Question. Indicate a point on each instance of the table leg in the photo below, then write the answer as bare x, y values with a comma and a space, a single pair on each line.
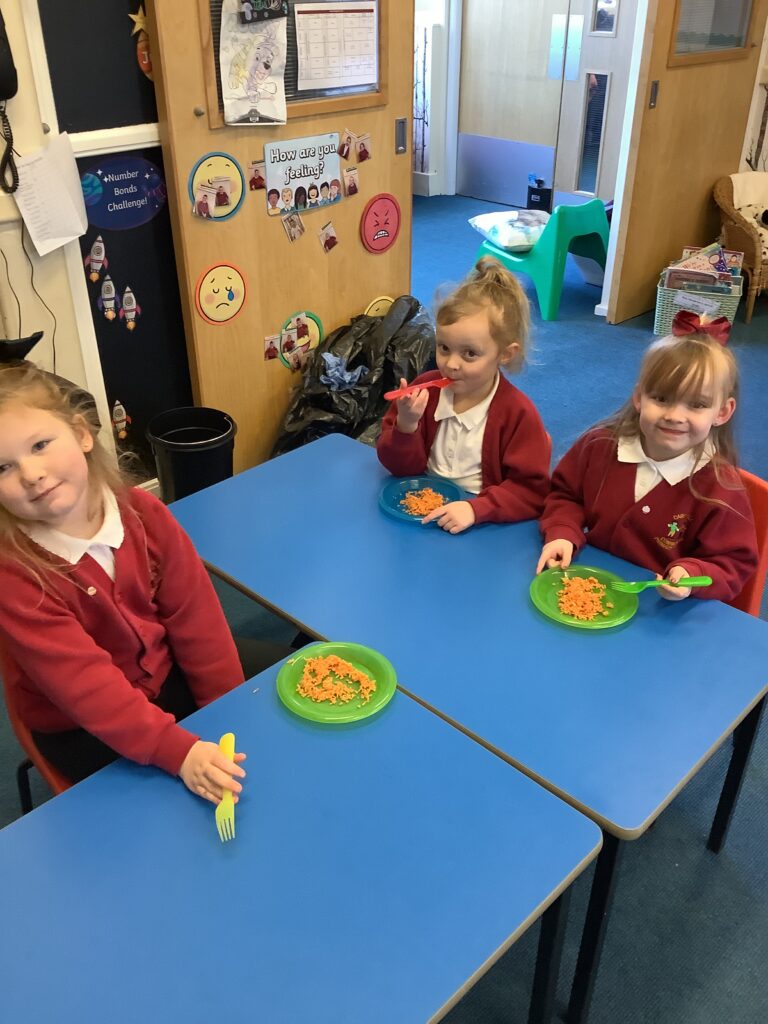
593, 935
550, 951
743, 739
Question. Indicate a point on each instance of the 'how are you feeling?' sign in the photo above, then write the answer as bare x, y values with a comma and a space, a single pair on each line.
302, 174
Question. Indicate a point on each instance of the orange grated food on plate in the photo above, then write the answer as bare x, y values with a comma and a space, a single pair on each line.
582, 598
420, 503
331, 678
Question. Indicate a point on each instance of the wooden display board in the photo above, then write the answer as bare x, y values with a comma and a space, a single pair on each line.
227, 361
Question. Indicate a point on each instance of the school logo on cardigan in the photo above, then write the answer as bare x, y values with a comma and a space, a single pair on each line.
676, 528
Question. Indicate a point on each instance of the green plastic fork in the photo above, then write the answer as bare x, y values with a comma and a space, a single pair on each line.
225, 811
686, 581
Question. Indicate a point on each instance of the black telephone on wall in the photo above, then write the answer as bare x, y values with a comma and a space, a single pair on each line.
9, 84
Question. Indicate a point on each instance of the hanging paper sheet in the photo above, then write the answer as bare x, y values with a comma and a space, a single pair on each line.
252, 65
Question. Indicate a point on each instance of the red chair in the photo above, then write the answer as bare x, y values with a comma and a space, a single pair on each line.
749, 601
55, 779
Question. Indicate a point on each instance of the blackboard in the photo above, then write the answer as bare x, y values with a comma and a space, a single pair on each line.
146, 368
95, 75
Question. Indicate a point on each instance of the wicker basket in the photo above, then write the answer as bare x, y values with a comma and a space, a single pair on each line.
666, 307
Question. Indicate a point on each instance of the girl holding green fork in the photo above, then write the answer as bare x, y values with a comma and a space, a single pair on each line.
657, 482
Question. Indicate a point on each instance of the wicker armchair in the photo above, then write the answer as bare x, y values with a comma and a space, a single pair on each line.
741, 234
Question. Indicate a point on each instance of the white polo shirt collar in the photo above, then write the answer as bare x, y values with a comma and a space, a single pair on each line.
71, 549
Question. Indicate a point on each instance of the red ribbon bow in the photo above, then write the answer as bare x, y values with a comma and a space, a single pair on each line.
686, 322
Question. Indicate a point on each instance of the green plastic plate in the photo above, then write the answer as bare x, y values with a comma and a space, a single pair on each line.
363, 658
546, 586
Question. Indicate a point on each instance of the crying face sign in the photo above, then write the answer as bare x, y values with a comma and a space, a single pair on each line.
380, 223
220, 293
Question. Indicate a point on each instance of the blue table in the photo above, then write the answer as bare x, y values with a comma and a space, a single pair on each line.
305, 535
378, 870
615, 723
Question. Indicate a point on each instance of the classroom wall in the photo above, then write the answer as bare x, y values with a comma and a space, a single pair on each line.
50, 276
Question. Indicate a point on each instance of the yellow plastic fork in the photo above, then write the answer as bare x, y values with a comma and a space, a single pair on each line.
225, 811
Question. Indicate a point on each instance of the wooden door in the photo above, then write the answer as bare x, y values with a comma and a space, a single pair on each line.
598, 55
512, 55
684, 138
227, 361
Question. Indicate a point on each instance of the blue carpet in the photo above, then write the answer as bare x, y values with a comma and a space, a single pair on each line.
688, 937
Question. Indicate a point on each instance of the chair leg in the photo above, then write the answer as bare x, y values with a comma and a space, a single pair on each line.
550, 290
751, 296
22, 783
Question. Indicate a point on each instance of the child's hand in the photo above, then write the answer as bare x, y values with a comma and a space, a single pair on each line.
555, 555
207, 772
411, 408
677, 572
453, 517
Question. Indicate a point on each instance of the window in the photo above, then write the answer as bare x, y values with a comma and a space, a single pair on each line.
710, 30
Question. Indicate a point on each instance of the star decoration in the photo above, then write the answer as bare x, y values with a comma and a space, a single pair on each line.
139, 20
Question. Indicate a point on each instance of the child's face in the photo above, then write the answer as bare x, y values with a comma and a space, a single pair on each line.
467, 354
671, 425
43, 469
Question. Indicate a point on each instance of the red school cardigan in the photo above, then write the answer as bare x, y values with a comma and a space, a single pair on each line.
514, 460
592, 491
92, 653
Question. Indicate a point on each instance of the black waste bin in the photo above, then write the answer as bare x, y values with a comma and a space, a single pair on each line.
193, 449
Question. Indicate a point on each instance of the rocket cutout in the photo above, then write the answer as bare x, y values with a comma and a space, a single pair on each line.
131, 309
97, 259
120, 420
108, 302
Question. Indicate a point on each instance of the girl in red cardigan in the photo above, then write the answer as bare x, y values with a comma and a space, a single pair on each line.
657, 483
110, 629
481, 431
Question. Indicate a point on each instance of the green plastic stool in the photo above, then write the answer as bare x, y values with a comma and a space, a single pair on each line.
582, 230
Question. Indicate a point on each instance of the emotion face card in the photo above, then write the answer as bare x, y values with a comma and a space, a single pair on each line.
218, 177
220, 293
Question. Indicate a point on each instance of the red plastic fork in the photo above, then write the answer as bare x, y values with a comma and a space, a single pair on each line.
402, 392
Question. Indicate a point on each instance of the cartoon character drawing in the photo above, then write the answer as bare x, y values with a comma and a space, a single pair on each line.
131, 309
272, 199
313, 195
300, 199
97, 259
335, 191
324, 200
120, 420
286, 200
108, 301
251, 67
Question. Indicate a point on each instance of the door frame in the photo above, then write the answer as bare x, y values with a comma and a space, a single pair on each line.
644, 21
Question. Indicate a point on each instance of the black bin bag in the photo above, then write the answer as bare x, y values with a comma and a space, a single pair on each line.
400, 344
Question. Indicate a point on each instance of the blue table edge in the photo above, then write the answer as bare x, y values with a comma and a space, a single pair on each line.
532, 918
619, 831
